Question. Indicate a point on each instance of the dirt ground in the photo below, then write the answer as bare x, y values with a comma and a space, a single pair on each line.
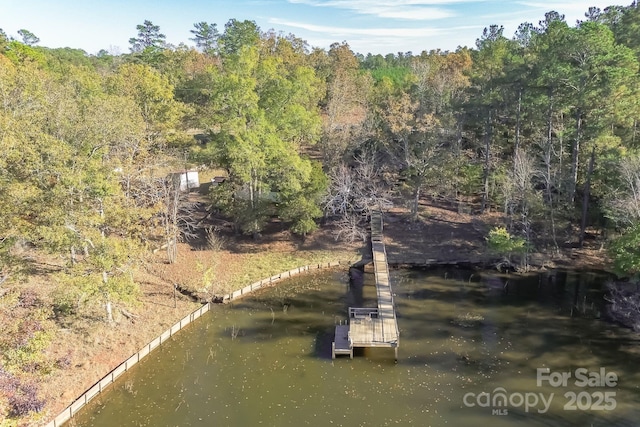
444, 236
94, 348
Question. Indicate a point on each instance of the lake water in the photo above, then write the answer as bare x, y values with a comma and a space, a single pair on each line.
470, 347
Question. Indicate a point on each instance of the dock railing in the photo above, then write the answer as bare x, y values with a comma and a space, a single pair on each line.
366, 312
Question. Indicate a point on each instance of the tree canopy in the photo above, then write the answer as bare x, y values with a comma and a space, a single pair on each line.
541, 126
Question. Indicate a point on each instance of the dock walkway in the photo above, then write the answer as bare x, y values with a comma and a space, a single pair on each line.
369, 326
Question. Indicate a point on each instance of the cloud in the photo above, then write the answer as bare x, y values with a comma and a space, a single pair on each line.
567, 6
382, 40
573, 10
345, 31
364, 4
416, 10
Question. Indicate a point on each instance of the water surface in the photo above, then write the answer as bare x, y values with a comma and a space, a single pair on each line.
266, 359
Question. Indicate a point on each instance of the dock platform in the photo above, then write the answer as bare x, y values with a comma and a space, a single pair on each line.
370, 326
342, 342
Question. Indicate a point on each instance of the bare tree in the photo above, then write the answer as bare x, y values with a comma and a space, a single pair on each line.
354, 192
350, 228
521, 198
623, 203
177, 215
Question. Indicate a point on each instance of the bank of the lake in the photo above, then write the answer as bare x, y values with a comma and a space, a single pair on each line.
441, 236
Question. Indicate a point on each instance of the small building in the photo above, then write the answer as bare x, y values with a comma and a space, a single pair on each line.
188, 179
217, 180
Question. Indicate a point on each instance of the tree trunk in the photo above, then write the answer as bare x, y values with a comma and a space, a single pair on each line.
518, 124
575, 154
585, 199
416, 202
172, 232
107, 304
458, 149
109, 311
547, 161
487, 157
172, 250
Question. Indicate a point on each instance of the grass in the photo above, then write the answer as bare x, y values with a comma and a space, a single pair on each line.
257, 266
211, 273
207, 175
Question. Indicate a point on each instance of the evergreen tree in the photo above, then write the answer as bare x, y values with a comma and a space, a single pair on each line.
206, 36
28, 37
237, 35
149, 37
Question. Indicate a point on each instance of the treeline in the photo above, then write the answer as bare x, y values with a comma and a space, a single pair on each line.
541, 125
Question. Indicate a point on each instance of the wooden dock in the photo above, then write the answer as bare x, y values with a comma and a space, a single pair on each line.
372, 326
342, 342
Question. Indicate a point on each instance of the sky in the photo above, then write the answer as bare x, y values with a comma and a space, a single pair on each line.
368, 26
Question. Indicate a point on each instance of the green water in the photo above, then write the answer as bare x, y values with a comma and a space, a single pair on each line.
266, 359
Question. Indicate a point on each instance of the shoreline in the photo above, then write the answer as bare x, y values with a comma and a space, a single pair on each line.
96, 348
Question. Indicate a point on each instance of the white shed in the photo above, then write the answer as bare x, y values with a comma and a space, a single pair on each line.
188, 180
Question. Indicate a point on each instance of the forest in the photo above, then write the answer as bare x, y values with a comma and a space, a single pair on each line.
541, 125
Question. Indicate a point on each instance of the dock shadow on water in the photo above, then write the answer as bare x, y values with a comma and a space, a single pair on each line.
470, 346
